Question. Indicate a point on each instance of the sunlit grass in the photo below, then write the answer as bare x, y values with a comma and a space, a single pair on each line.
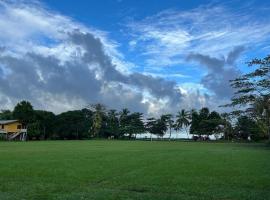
133, 170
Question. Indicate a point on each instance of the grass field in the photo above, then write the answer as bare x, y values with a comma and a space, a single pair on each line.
133, 170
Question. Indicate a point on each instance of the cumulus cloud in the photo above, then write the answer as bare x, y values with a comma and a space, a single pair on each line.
73, 67
220, 71
210, 38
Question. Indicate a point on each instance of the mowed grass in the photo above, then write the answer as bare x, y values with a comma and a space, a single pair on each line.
133, 170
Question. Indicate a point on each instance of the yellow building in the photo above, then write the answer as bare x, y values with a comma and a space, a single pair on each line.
13, 129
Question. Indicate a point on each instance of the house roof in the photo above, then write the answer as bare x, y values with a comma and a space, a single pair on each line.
7, 121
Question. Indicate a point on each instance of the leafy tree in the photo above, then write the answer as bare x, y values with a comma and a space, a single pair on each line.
6, 115
228, 129
24, 112
157, 126
150, 126
135, 125
131, 123
246, 127
205, 123
72, 125
124, 121
195, 122
113, 123
99, 111
34, 130
252, 88
46, 121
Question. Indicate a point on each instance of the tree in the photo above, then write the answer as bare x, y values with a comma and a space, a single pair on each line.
161, 125
157, 126
182, 120
113, 123
251, 88
98, 117
213, 123
150, 126
194, 124
205, 123
33, 130
72, 125
124, 121
6, 115
246, 127
228, 129
24, 112
46, 120
170, 123
136, 125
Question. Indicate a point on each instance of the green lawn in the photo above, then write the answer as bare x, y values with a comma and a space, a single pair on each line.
133, 170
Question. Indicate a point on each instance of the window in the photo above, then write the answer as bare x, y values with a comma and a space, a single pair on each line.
3, 126
19, 126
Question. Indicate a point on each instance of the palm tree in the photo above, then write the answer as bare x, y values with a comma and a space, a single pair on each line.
168, 119
182, 120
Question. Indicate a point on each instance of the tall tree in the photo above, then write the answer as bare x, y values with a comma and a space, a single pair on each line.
205, 123
168, 118
6, 115
24, 112
97, 120
182, 120
228, 129
43, 124
113, 123
124, 121
253, 87
136, 125
246, 127
71, 125
195, 122
150, 125
157, 126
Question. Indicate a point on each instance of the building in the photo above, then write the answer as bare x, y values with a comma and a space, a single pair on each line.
13, 130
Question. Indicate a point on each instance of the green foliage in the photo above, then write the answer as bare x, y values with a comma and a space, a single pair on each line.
72, 125
157, 126
253, 93
131, 124
205, 123
24, 112
112, 127
97, 119
34, 130
247, 127
6, 115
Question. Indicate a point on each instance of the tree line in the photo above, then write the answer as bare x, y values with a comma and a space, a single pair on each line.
98, 122
250, 118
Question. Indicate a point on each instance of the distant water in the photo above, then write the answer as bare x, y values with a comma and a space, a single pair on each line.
174, 135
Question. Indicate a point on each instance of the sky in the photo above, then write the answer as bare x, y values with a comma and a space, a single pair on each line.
154, 56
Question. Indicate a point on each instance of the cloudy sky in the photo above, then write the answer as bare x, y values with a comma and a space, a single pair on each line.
149, 56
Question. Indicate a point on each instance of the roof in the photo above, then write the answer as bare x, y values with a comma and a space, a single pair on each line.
8, 121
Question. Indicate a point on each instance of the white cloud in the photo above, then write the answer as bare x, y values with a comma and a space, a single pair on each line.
167, 37
60, 64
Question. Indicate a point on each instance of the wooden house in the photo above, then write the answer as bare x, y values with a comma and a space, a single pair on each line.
13, 129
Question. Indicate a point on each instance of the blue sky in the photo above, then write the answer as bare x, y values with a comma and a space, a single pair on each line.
150, 56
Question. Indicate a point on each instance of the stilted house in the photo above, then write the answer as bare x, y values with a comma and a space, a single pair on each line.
13, 130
